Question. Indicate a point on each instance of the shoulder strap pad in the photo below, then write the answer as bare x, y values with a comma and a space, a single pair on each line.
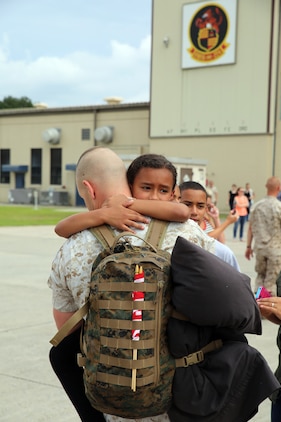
104, 234
156, 232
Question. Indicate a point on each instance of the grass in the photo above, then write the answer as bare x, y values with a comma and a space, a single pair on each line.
14, 215
19, 215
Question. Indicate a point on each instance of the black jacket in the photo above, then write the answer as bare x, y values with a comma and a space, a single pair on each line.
218, 303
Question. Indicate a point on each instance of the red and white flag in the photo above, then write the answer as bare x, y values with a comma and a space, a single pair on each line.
136, 316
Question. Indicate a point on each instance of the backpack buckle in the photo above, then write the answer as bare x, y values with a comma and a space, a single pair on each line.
193, 358
81, 360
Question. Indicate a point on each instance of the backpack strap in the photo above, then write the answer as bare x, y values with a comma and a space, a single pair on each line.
156, 232
198, 356
178, 315
69, 325
104, 234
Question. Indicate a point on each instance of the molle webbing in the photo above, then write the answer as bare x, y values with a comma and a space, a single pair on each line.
153, 239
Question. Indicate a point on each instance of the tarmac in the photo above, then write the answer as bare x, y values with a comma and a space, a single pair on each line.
29, 390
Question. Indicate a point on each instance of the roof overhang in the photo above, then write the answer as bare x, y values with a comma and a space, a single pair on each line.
71, 167
14, 168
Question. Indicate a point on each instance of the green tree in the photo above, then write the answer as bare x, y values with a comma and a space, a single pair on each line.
12, 102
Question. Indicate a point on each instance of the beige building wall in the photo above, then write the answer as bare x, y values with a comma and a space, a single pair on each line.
225, 114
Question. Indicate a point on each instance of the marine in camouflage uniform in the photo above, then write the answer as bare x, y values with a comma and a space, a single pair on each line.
71, 269
265, 229
72, 266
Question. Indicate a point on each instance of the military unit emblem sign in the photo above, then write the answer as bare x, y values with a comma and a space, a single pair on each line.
209, 31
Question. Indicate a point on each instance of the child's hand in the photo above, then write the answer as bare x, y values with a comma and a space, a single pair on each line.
123, 218
232, 217
118, 214
213, 211
117, 200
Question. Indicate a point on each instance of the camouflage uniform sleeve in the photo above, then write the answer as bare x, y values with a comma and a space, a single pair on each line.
71, 271
189, 231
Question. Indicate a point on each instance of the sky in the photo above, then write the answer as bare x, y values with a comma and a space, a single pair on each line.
75, 52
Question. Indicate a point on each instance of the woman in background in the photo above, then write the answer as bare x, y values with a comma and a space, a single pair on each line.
240, 204
231, 195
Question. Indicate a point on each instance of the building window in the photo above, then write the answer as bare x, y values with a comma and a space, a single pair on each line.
36, 166
86, 134
4, 159
55, 176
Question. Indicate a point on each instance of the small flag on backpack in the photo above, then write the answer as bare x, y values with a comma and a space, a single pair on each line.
136, 316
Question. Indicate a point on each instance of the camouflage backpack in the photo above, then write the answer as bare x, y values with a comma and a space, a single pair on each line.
128, 369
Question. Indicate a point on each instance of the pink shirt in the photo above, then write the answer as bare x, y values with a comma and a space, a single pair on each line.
241, 204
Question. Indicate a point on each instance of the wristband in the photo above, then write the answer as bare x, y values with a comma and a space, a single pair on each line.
248, 247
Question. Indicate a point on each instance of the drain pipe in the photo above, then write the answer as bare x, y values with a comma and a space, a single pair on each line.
276, 90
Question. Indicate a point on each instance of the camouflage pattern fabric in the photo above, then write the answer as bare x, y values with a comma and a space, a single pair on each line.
108, 343
265, 220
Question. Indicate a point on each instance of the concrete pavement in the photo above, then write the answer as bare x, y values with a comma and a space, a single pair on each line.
29, 390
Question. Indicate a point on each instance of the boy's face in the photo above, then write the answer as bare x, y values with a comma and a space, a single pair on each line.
153, 183
196, 201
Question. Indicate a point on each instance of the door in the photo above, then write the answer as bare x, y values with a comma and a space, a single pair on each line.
19, 180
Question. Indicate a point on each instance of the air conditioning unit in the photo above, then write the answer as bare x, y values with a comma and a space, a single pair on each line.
51, 197
52, 135
21, 196
104, 134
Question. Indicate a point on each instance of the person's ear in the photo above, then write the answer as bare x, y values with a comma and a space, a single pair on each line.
89, 188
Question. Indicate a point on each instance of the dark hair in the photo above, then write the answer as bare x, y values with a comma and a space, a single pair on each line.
193, 186
153, 161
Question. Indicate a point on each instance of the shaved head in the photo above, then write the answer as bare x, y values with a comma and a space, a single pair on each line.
104, 170
273, 185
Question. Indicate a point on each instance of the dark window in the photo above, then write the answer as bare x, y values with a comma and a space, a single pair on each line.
86, 133
36, 166
55, 176
4, 159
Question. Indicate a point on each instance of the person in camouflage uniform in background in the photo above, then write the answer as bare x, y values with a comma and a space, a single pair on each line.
265, 230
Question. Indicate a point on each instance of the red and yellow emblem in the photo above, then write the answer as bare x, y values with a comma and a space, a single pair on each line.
207, 33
